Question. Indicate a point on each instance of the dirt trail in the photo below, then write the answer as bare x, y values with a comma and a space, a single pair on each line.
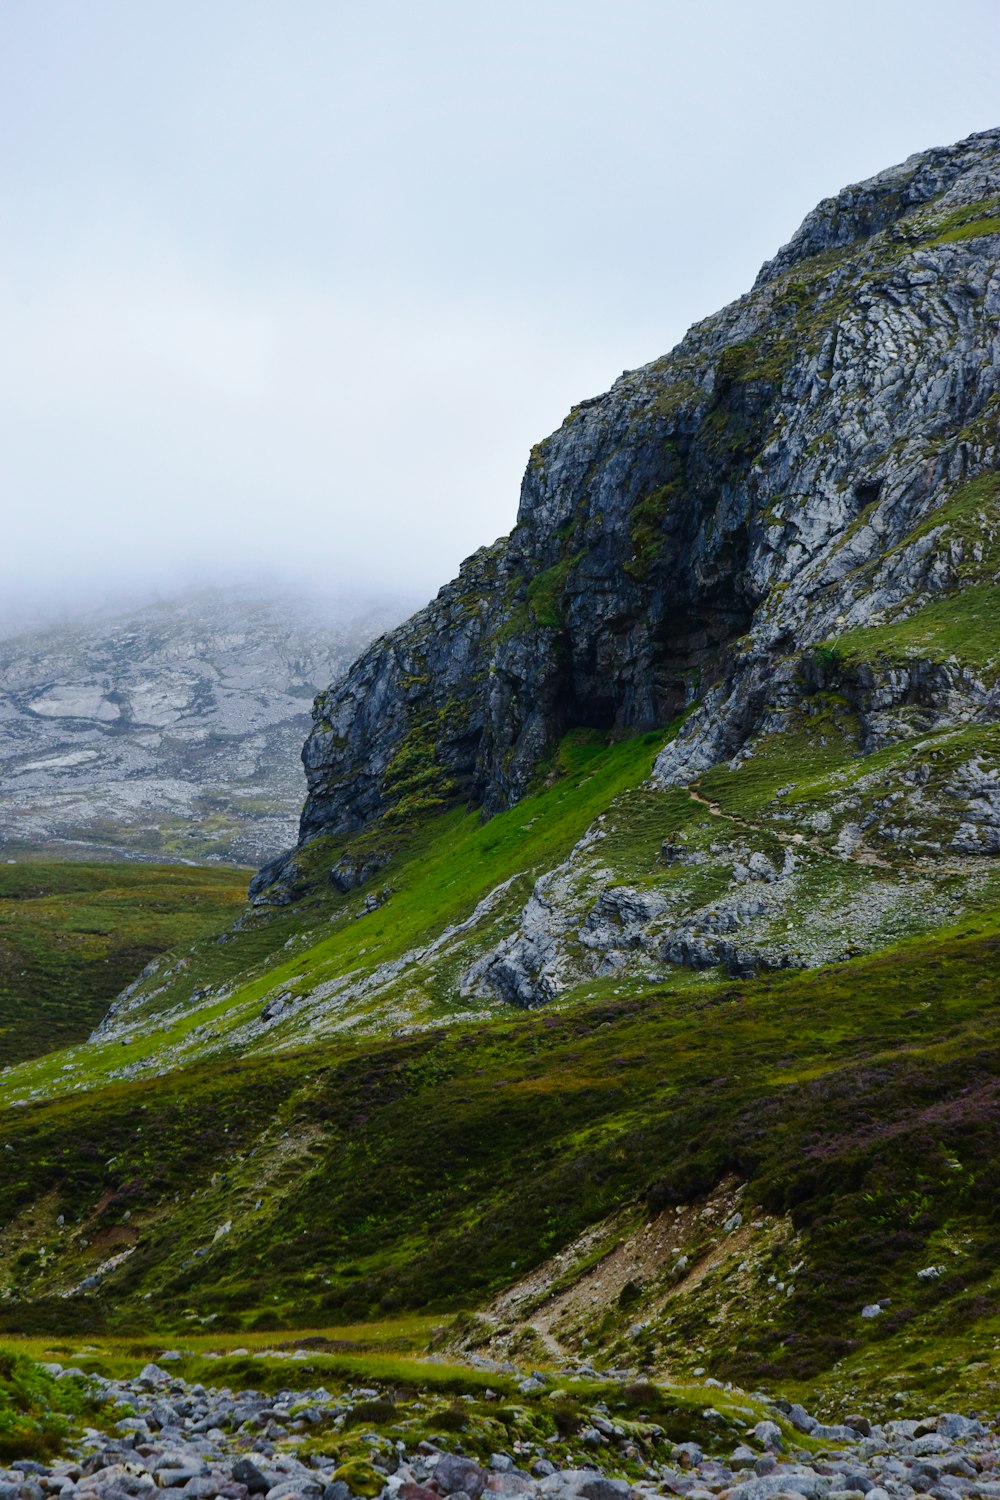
798, 840
857, 856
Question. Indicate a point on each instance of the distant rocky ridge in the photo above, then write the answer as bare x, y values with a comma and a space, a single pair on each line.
170, 731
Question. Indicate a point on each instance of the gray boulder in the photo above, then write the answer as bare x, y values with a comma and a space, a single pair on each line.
784, 1481
245, 1471
453, 1473
602, 1488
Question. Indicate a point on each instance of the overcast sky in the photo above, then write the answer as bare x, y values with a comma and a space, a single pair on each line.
295, 284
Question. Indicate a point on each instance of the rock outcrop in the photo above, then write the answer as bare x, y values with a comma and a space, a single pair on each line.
799, 467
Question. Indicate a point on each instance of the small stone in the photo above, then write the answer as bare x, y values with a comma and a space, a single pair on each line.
245, 1471
800, 1418
951, 1425
602, 1488
931, 1442
688, 1455
454, 1473
175, 1476
768, 1435
516, 1482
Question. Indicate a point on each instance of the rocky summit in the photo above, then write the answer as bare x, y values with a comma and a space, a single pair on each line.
818, 458
779, 544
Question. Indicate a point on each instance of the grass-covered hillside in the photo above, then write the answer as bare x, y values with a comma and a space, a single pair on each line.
73, 935
851, 1117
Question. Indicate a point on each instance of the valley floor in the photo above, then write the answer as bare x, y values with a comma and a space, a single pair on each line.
306, 1430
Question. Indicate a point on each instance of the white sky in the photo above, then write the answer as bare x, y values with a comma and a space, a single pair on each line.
295, 284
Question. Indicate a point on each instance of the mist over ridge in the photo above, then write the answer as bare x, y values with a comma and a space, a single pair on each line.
170, 730
299, 294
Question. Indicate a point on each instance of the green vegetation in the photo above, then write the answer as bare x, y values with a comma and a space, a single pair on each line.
73, 935
969, 515
390, 1174
546, 591
965, 223
353, 1177
829, 656
964, 625
440, 867
647, 521
35, 1408
415, 778
422, 1400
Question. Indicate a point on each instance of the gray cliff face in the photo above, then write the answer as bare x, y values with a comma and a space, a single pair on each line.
687, 537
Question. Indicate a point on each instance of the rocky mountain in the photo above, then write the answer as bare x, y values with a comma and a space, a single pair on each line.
633, 985
169, 731
782, 538
816, 459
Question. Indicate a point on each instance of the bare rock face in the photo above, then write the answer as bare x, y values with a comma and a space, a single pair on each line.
169, 731
690, 537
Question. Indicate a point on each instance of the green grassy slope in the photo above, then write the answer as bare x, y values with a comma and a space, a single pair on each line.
73, 935
860, 1104
440, 869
